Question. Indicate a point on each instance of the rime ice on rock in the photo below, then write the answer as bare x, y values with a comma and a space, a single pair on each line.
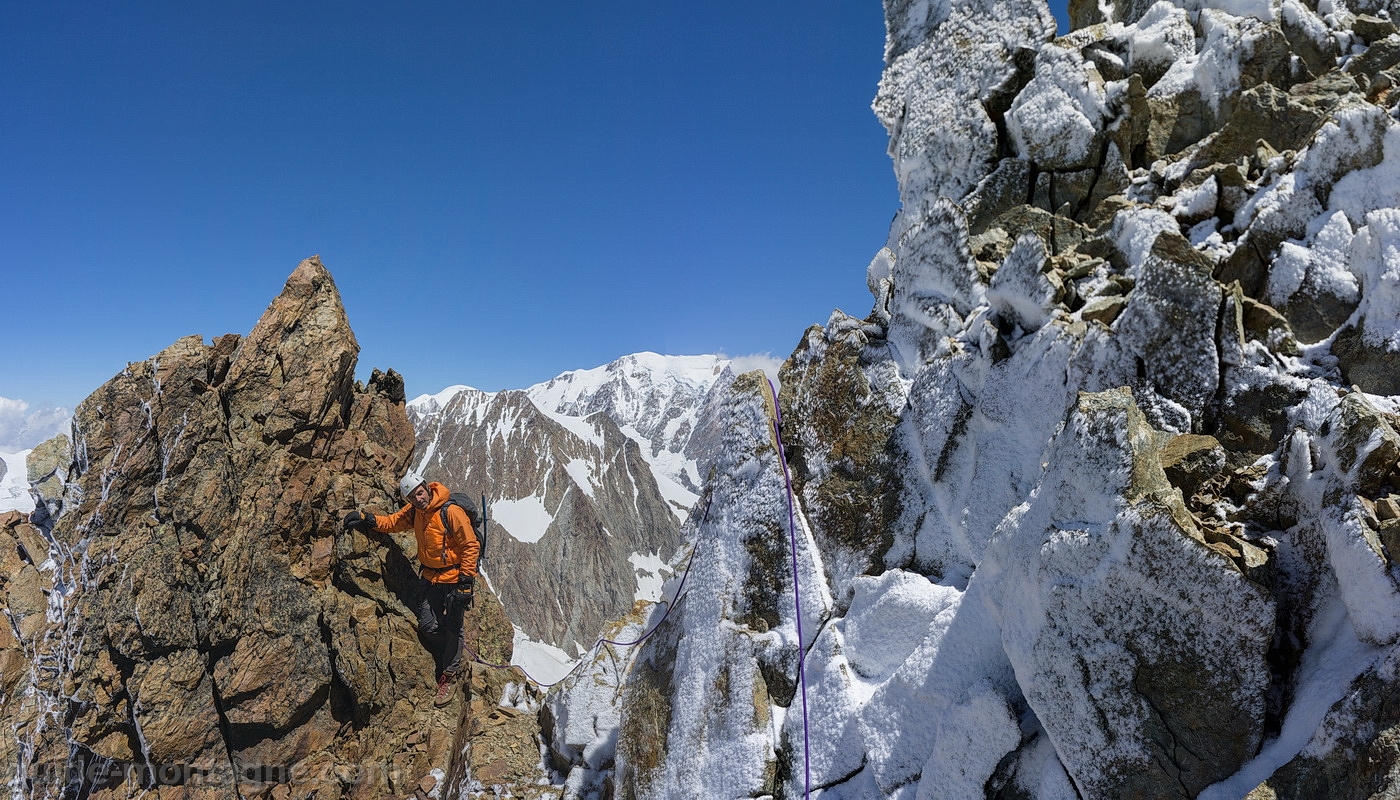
710, 681
1105, 488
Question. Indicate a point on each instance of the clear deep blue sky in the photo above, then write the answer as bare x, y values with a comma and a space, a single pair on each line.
503, 191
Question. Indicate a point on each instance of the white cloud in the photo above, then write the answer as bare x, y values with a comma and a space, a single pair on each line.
21, 428
763, 361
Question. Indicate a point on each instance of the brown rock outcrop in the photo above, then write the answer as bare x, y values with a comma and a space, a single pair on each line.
217, 630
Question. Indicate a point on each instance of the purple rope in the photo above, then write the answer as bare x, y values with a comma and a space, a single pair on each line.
796, 595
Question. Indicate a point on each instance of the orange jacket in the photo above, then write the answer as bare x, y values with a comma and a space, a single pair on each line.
443, 554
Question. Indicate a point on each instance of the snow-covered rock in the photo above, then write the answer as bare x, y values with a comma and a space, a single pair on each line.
1105, 490
1141, 650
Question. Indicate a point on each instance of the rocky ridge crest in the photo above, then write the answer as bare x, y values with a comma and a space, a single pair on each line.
187, 612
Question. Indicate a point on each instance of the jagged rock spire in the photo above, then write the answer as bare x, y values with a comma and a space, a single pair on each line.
209, 612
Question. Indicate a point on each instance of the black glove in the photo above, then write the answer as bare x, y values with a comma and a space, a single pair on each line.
358, 521
464, 595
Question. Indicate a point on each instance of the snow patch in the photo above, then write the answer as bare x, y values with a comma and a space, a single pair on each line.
526, 519
14, 486
652, 573
545, 663
581, 471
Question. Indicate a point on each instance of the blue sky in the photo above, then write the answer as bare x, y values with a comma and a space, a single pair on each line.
502, 191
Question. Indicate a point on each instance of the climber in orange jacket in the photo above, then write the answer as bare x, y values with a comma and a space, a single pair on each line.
448, 557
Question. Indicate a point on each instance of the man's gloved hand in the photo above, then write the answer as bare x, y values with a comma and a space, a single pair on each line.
465, 593
358, 521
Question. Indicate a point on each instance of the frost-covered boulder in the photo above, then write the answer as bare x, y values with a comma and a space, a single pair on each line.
950, 68
946, 64
935, 283
1167, 331
1370, 349
1141, 651
1023, 292
979, 442
1354, 753
1357, 455
1057, 120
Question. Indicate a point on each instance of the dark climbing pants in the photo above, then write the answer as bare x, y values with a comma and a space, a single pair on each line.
440, 625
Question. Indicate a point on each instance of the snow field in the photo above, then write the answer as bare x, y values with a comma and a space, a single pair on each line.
14, 486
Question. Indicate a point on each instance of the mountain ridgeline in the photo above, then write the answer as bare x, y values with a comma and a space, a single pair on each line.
1100, 500
188, 616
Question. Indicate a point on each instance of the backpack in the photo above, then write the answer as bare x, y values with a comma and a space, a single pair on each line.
473, 514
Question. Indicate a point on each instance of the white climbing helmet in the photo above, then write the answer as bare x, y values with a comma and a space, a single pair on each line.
410, 481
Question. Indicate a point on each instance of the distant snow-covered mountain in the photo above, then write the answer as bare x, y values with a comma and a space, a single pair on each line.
588, 477
660, 402
14, 483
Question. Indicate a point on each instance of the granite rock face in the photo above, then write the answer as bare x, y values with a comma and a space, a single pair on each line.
208, 624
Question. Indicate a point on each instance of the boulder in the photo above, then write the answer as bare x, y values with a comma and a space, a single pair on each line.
1169, 324
1356, 753
1365, 365
1372, 28
1367, 349
1141, 650
844, 461
1070, 138
1189, 460
1381, 55
47, 465
1024, 291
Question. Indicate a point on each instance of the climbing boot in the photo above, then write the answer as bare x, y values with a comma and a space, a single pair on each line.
444, 690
